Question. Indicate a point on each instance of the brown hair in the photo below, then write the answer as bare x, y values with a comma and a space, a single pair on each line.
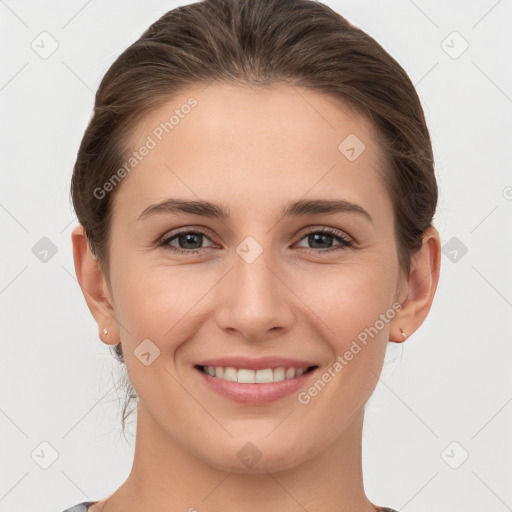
258, 42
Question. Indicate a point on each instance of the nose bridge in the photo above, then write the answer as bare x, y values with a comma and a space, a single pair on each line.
254, 299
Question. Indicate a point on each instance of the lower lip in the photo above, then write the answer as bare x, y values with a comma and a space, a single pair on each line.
255, 394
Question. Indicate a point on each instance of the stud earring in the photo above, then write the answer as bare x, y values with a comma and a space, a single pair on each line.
403, 332
105, 331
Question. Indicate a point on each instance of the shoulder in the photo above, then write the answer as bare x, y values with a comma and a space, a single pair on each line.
81, 507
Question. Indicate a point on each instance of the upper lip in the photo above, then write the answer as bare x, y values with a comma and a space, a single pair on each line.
256, 363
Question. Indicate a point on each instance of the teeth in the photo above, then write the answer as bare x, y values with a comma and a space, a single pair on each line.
261, 376
246, 376
229, 374
279, 374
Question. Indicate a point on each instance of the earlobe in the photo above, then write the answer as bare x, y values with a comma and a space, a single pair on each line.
94, 286
421, 284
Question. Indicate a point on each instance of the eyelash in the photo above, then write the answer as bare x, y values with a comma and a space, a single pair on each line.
345, 241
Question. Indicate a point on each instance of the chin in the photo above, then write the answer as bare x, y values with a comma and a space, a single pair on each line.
258, 457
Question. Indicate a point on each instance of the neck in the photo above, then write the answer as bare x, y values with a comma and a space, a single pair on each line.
165, 474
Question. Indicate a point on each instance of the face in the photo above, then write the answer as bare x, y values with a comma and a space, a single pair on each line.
269, 285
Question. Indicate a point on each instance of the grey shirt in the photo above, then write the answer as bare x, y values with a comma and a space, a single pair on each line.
82, 507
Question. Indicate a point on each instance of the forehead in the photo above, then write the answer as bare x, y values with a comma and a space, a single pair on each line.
280, 114
254, 144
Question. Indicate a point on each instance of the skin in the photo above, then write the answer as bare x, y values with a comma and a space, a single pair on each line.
252, 150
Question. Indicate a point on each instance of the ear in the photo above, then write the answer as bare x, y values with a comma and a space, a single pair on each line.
94, 286
418, 289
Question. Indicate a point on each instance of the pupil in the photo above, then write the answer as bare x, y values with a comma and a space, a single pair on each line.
314, 238
189, 238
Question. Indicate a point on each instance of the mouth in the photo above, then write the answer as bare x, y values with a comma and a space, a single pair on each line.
254, 387
249, 376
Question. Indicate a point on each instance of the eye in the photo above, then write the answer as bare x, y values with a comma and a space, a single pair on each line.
189, 241
322, 236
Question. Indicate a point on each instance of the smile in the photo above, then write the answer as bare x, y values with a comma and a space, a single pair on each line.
255, 387
248, 376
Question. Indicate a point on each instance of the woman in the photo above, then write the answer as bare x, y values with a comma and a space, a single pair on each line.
255, 192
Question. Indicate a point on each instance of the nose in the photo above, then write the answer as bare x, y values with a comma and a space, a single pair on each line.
256, 301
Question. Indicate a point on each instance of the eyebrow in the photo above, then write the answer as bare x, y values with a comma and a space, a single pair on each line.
292, 209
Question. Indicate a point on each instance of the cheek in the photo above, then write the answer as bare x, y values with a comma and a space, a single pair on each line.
161, 303
156, 309
349, 298
357, 336
354, 305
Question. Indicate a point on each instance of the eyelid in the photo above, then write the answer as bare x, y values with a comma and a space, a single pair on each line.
330, 231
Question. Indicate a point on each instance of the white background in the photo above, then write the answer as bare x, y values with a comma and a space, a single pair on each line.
452, 382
